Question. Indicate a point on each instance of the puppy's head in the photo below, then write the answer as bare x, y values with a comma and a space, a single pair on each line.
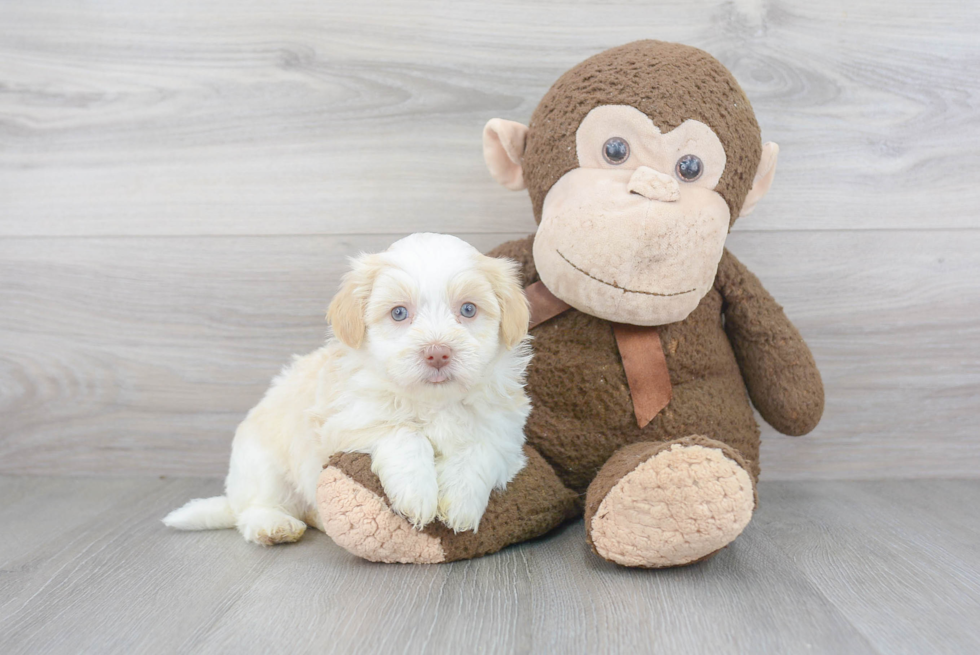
431, 310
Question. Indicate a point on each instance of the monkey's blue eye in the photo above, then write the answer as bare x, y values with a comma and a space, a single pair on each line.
616, 150
399, 313
689, 168
468, 310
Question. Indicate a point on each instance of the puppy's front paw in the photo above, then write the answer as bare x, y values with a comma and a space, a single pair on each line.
462, 501
462, 514
417, 500
405, 464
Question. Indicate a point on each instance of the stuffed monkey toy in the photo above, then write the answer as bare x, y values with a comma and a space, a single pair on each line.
650, 338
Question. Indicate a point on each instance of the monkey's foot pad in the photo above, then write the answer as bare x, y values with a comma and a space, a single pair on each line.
680, 504
359, 520
356, 514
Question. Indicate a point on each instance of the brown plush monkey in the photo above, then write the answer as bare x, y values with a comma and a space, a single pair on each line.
650, 338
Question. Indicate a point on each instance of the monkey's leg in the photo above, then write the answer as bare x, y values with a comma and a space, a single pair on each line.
660, 504
356, 514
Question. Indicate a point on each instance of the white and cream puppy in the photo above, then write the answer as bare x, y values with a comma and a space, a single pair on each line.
424, 371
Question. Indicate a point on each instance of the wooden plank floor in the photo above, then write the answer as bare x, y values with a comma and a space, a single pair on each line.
825, 567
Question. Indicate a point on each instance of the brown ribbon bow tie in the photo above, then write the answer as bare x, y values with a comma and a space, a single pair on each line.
639, 347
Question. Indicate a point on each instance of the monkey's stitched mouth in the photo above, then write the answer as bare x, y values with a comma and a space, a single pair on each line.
616, 286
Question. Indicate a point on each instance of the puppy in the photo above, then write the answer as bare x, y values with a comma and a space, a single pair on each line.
424, 371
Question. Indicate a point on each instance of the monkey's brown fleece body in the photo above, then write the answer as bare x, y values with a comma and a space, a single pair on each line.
582, 410
681, 487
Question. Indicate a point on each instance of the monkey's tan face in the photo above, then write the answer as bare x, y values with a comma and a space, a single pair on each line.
635, 234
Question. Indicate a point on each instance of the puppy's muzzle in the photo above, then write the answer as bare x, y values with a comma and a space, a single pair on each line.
437, 356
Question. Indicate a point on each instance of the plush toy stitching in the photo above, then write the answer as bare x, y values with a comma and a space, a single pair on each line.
616, 286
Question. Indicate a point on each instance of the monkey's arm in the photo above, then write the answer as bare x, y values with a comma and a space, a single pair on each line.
520, 250
782, 378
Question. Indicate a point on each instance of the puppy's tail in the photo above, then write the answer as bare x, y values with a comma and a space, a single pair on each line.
202, 514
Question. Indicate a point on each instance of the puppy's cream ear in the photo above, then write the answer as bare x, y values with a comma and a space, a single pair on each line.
346, 311
515, 313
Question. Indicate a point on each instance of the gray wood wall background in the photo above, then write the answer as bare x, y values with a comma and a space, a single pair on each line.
181, 183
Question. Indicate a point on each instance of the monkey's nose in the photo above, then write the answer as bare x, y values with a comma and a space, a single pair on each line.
653, 185
437, 356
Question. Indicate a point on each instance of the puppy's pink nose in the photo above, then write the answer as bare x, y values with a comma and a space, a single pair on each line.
437, 356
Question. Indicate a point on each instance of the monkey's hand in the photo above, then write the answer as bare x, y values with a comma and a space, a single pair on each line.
780, 374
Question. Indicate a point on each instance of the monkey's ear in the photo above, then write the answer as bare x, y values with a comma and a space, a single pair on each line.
763, 178
346, 311
503, 150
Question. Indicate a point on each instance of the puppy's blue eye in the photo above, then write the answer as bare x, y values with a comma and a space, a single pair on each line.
399, 313
468, 310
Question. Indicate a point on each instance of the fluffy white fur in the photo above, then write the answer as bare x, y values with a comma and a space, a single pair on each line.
440, 440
